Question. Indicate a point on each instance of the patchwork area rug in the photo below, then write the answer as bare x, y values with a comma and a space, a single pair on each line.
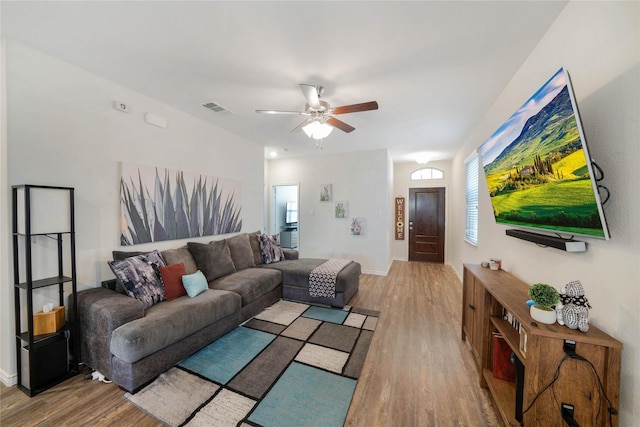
291, 365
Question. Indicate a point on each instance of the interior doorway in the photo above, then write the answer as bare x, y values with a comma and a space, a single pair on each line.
426, 224
284, 215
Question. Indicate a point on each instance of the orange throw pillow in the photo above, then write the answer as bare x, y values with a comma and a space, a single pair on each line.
172, 280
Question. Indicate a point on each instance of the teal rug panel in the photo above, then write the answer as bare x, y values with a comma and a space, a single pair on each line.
326, 314
224, 358
311, 397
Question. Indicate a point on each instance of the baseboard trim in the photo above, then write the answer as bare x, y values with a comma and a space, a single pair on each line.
8, 379
374, 272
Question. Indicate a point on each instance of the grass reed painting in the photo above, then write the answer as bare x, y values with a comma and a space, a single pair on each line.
162, 204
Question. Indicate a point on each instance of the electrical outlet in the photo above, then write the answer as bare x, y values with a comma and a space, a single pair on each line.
567, 412
569, 347
567, 409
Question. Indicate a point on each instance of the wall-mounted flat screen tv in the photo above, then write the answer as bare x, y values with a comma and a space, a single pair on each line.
538, 169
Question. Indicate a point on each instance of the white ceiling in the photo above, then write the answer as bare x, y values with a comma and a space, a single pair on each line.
434, 67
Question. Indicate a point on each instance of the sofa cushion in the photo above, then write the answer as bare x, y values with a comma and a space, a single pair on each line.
254, 241
241, 252
119, 255
296, 272
195, 283
171, 321
271, 250
213, 258
172, 280
250, 283
180, 255
140, 276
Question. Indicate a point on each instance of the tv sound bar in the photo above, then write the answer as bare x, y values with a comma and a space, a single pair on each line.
568, 245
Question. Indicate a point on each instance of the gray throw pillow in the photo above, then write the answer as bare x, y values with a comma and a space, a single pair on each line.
213, 259
241, 252
180, 255
271, 250
140, 276
120, 255
254, 241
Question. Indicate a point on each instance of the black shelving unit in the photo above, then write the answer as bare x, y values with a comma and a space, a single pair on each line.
42, 360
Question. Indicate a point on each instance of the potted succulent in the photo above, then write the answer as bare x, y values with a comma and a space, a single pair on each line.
544, 298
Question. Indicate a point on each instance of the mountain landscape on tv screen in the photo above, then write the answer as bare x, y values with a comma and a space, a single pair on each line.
541, 178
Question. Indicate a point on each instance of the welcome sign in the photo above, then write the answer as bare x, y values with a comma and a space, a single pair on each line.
400, 209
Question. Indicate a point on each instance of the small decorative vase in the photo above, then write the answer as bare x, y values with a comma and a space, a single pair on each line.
541, 315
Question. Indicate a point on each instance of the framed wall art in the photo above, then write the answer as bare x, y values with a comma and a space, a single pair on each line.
341, 208
357, 226
325, 192
164, 204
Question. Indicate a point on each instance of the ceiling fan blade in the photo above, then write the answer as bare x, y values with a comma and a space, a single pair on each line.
303, 113
300, 126
311, 94
354, 108
340, 125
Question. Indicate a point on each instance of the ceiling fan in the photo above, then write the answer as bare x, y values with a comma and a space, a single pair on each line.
321, 121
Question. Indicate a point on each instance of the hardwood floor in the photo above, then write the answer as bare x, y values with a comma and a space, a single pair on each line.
418, 371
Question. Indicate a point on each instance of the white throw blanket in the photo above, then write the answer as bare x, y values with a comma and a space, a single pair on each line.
322, 279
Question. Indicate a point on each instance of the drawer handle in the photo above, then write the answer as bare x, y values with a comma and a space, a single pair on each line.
472, 307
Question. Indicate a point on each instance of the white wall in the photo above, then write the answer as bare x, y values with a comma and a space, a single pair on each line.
359, 178
598, 43
6, 291
401, 184
62, 130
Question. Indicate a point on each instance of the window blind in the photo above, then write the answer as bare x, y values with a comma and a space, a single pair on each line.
471, 229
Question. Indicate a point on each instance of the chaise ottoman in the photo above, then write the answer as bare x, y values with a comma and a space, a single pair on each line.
295, 281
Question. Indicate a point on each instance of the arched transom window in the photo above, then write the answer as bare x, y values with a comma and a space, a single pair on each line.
427, 173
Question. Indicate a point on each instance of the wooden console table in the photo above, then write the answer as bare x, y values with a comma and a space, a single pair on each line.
589, 383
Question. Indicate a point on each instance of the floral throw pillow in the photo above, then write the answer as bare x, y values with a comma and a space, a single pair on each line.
270, 247
140, 276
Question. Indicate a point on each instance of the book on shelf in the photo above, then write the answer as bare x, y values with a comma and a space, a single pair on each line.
502, 366
523, 342
510, 319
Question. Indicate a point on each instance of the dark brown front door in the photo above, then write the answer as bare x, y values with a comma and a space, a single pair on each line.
426, 224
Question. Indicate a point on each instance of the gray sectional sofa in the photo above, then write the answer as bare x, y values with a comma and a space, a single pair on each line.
131, 342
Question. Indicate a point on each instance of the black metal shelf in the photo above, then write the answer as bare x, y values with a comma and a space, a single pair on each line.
43, 283
48, 359
47, 234
41, 340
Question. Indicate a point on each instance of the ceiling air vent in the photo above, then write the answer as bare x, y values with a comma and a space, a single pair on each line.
216, 108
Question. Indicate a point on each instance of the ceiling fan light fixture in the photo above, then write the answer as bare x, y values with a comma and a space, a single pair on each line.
423, 159
317, 129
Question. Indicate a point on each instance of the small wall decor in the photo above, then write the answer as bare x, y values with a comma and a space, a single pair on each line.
325, 192
400, 211
357, 226
341, 208
163, 204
